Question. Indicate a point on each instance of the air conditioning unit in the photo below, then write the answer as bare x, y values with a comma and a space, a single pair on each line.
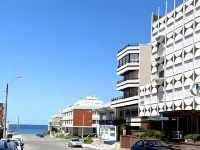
159, 59
160, 38
159, 81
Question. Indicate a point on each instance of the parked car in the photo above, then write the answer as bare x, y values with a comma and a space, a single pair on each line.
18, 143
74, 142
19, 137
6, 144
40, 135
151, 145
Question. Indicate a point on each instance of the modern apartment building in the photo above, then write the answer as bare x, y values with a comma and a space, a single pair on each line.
107, 128
82, 114
55, 122
175, 66
133, 60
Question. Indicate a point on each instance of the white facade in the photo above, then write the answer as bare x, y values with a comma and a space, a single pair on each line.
128, 68
90, 102
107, 132
55, 122
175, 61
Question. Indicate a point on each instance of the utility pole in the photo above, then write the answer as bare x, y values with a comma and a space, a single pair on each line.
5, 116
18, 126
83, 126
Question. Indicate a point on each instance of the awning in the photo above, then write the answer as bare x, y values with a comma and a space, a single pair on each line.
159, 119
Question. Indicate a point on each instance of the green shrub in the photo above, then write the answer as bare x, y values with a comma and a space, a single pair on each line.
193, 137
88, 141
150, 134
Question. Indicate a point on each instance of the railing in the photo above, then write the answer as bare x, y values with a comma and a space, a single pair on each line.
129, 61
127, 79
112, 122
136, 44
123, 97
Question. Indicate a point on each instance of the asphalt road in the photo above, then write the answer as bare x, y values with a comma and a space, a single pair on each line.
35, 143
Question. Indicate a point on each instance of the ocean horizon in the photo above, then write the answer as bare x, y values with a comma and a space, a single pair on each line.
29, 128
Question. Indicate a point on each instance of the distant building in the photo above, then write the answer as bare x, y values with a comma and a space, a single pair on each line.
55, 122
1, 114
82, 114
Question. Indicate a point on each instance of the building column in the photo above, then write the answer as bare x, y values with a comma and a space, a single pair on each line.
170, 128
193, 122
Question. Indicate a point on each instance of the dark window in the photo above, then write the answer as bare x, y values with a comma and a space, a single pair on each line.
139, 143
124, 60
121, 113
127, 113
161, 74
127, 59
127, 93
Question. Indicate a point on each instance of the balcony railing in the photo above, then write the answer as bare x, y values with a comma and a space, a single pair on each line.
129, 61
136, 44
129, 78
125, 96
112, 122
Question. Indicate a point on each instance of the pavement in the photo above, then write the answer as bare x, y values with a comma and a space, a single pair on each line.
33, 142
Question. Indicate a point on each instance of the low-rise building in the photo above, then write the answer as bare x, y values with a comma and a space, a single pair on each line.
107, 129
82, 117
55, 122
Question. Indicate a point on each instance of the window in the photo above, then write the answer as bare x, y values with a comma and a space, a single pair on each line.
161, 74
126, 93
121, 113
134, 57
139, 143
124, 60
93, 121
127, 113
127, 58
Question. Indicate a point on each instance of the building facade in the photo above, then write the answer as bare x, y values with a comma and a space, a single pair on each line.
133, 60
175, 66
55, 122
107, 128
82, 115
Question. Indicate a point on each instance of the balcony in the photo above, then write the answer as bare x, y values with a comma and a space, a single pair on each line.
112, 122
124, 100
160, 38
127, 83
128, 66
128, 45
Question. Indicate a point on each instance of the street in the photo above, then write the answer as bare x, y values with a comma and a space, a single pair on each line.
33, 142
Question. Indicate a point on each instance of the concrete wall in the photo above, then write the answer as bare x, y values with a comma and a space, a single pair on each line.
145, 64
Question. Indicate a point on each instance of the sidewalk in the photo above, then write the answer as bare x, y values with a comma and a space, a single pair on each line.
103, 147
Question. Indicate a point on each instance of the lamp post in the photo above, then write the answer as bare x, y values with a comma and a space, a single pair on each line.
83, 121
6, 103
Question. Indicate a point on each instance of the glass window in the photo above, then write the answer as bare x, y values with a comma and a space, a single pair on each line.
121, 113
127, 59
124, 60
139, 143
127, 113
134, 57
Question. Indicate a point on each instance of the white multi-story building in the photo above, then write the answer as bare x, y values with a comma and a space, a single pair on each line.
175, 66
55, 122
132, 59
82, 114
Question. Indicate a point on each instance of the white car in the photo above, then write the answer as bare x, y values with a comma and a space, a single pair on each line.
19, 146
74, 142
19, 137
15, 141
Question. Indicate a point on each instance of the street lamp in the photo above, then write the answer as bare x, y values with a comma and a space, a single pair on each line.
83, 121
6, 103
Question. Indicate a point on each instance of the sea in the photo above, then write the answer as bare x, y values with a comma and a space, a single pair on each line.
29, 129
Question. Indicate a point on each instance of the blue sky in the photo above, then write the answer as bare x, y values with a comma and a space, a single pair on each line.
65, 50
